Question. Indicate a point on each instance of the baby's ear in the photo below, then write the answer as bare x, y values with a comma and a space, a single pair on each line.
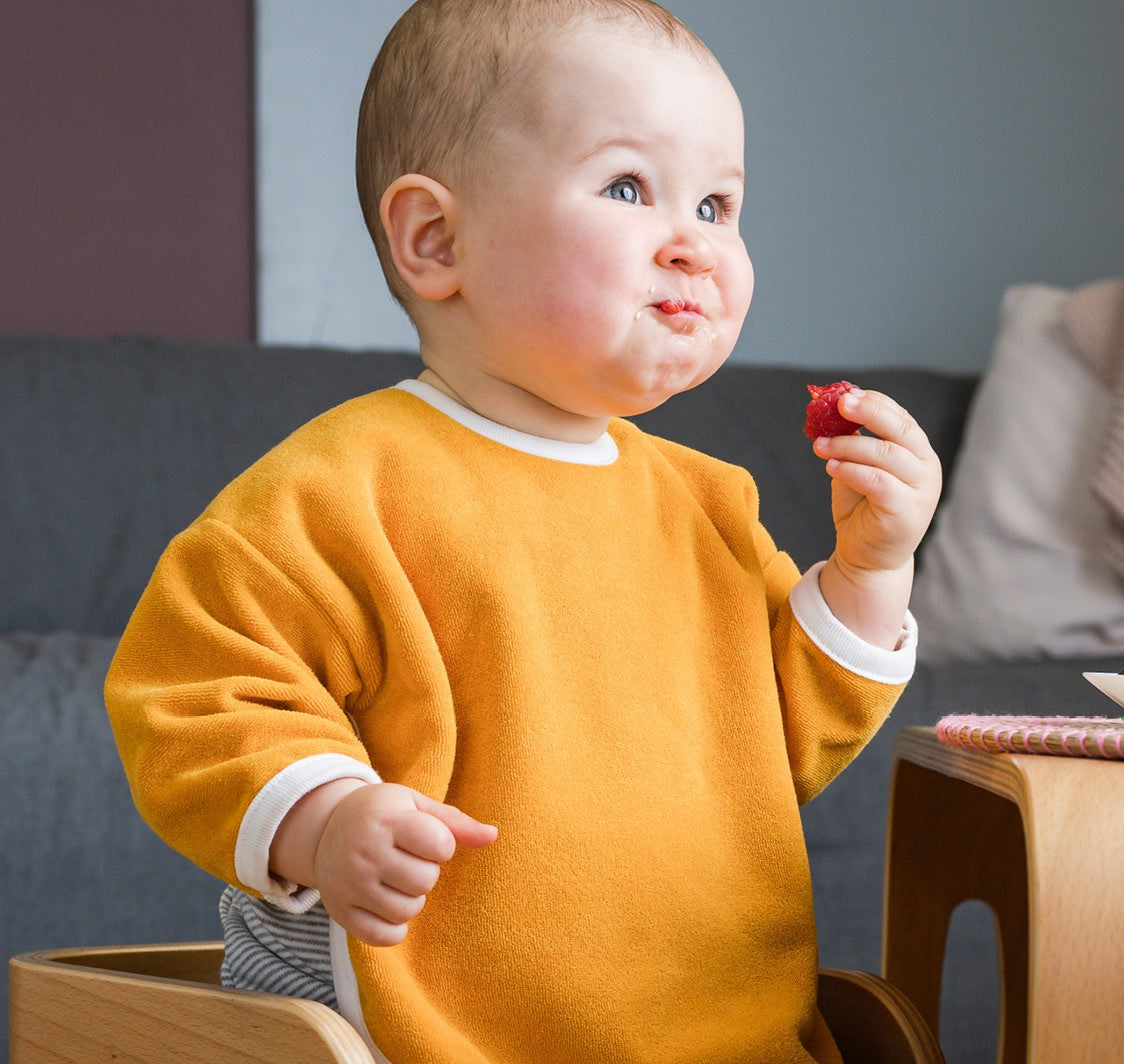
418, 214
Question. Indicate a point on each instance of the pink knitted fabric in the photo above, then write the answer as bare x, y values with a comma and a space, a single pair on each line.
1098, 737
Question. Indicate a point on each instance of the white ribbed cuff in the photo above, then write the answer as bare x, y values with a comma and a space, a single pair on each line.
840, 644
270, 806
347, 988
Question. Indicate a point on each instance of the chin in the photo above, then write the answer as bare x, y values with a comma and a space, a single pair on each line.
644, 387
641, 404
678, 378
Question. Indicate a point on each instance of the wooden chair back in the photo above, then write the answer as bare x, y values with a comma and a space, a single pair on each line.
165, 1002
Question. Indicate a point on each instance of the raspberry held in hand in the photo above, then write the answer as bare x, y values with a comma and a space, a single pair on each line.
823, 417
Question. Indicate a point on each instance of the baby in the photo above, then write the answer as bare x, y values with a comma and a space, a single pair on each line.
476, 658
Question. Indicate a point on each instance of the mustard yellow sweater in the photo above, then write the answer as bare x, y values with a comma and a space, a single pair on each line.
595, 649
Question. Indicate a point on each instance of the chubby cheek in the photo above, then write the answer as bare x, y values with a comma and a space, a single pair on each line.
737, 284
585, 286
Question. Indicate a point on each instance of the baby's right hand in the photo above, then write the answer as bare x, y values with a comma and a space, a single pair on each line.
380, 854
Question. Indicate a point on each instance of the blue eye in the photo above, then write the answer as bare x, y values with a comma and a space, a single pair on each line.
718, 208
624, 189
708, 210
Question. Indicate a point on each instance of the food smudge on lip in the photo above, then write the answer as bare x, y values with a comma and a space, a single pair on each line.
673, 306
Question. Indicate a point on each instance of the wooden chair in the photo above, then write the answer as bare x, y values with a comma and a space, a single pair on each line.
164, 1003
1037, 840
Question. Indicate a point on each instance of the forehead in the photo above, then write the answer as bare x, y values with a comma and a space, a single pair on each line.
606, 78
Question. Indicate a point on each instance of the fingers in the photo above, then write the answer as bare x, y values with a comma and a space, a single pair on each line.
368, 926
869, 463
897, 446
886, 419
382, 854
392, 906
466, 830
378, 908
408, 874
885, 484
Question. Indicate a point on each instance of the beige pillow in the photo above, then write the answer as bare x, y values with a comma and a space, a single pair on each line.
1011, 569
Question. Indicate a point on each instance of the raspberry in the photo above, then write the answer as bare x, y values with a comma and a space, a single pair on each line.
823, 417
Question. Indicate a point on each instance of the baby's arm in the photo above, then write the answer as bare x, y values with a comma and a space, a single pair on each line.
228, 696
885, 488
374, 851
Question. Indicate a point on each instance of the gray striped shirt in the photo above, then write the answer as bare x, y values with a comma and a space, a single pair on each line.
276, 952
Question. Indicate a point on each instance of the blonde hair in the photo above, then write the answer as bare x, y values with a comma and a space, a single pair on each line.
444, 76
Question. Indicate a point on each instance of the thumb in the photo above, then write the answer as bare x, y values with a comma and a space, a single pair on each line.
466, 830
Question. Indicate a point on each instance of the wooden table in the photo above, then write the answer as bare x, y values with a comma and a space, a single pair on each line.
1040, 840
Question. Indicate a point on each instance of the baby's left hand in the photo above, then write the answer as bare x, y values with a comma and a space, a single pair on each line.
885, 486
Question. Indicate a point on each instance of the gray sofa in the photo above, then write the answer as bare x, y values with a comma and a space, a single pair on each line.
109, 447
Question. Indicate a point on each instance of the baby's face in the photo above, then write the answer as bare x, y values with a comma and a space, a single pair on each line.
601, 263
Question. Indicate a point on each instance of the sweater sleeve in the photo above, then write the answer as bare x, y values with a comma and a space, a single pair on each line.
835, 689
229, 697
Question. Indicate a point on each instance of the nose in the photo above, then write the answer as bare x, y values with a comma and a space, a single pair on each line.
688, 249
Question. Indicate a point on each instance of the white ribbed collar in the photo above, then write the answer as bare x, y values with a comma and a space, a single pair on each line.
601, 452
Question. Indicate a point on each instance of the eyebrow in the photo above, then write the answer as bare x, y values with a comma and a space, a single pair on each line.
735, 172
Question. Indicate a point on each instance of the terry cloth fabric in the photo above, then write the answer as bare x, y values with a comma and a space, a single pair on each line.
1093, 317
607, 661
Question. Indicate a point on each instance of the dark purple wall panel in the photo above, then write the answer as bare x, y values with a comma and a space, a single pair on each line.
126, 167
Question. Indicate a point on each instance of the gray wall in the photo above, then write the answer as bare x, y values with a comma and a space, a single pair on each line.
906, 163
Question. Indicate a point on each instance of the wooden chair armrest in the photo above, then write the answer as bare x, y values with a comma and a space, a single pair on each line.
103, 1005
873, 1022
159, 1003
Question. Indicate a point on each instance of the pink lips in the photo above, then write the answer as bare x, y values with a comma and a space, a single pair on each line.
678, 306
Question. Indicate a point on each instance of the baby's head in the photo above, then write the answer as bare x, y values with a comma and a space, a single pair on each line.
451, 72
554, 188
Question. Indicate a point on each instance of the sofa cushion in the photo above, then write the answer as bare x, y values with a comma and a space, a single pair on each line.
109, 447
1013, 569
71, 841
